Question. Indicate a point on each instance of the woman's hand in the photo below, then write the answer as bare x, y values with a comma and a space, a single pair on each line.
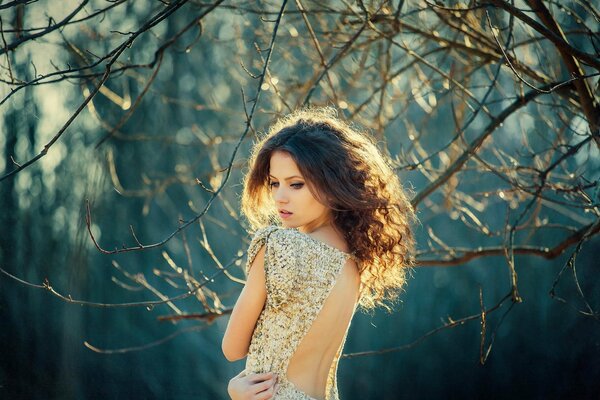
253, 386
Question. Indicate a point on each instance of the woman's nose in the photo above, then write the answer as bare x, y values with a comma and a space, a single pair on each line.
280, 195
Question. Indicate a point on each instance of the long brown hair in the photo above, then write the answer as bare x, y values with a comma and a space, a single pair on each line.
346, 172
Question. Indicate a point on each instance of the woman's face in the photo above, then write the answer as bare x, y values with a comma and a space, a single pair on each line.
296, 205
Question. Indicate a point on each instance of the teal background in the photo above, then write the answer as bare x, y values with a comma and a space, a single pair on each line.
187, 127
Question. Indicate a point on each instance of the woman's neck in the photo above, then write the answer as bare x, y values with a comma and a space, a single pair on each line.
317, 225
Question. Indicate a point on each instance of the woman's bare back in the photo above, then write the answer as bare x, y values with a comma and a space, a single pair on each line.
310, 365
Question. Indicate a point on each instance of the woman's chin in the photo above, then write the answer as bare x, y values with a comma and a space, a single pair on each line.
288, 224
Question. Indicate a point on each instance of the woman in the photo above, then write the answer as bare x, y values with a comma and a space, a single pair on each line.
333, 233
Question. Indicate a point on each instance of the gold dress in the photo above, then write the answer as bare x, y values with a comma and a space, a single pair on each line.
300, 272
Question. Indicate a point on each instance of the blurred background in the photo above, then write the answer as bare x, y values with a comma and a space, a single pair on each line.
125, 132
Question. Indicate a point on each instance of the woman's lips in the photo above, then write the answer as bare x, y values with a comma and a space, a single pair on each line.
285, 214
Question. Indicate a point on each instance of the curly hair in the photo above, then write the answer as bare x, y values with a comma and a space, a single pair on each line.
347, 173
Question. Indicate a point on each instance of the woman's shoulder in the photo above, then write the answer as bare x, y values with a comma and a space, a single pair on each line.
277, 237
265, 231
288, 239
275, 231
278, 241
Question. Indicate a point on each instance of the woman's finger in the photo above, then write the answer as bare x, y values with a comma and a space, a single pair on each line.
264, 385
267, 394
261, 377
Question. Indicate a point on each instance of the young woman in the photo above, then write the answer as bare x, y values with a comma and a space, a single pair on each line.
333, 232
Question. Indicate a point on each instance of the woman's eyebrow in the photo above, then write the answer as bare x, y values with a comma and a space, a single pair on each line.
288, 178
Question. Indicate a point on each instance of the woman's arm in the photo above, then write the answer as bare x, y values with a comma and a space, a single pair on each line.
246, 311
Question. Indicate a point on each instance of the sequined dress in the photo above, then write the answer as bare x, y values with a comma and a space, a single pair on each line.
300, 272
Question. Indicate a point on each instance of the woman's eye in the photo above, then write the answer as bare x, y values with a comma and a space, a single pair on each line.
294, 185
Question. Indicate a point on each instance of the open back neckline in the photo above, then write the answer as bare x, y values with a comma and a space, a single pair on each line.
322, 243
